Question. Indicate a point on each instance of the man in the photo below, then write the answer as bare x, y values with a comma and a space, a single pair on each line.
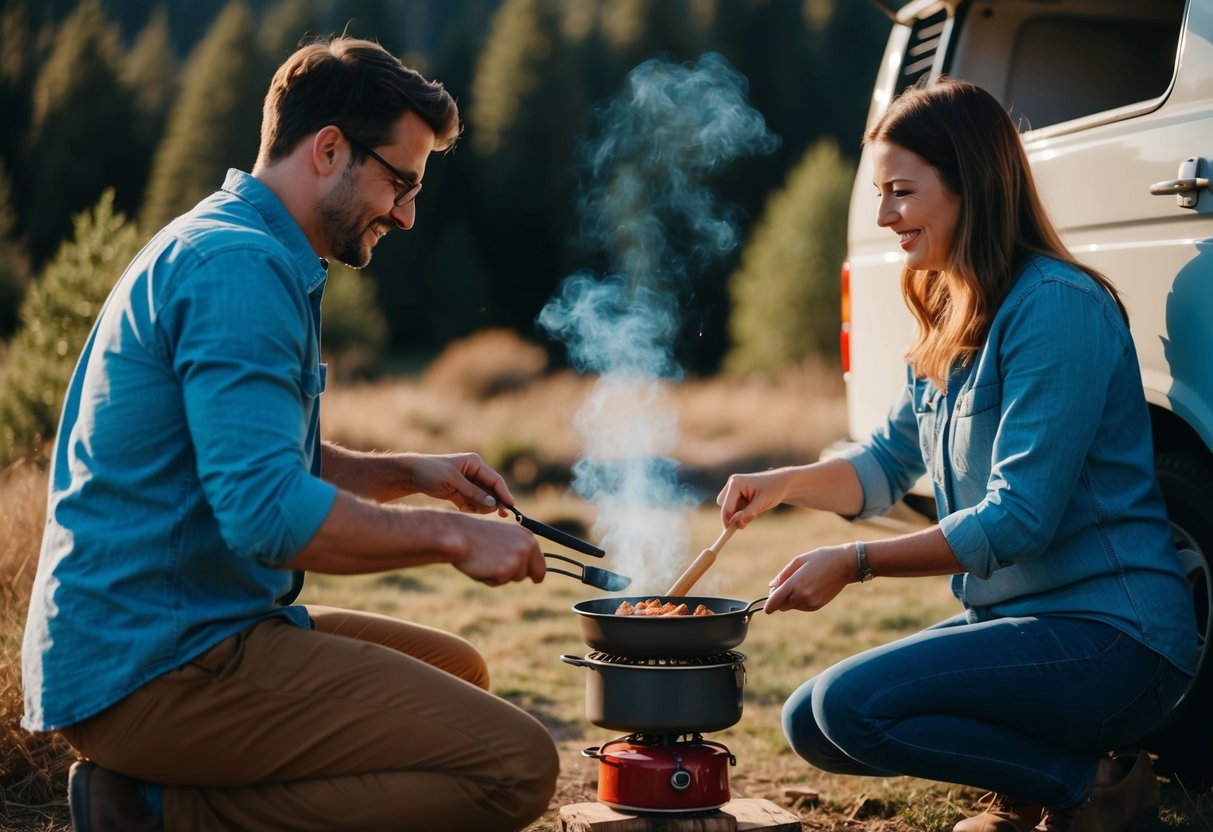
190, 489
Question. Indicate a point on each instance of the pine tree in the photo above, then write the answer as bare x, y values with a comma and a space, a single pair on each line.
56, 318
14, 262
353, 324
150, 70
84, 129
524, 122
786, 293
283, 26
17, 73
214, 123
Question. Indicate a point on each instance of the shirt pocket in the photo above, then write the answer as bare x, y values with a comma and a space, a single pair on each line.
313, 382
927, 399
975, 422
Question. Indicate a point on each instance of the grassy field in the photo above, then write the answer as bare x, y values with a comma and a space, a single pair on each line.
524, 428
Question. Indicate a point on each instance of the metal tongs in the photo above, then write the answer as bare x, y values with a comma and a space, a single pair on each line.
556, 535
592, 575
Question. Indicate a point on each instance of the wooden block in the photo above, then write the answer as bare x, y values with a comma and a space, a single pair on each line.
741, 815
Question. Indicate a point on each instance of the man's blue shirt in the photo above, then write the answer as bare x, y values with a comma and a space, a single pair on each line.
1041, 458
185, 471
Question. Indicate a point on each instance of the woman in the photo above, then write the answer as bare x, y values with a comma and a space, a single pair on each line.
1024, 404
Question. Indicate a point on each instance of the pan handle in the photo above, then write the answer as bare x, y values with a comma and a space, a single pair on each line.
575, 661
753, 607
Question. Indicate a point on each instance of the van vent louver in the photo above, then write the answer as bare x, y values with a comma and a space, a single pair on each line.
926, 38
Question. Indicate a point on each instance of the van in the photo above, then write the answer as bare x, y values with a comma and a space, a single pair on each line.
1114, 101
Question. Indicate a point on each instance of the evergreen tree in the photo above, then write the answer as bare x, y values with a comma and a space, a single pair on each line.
150, 70
283, 26
444, 292
353, 325
56, 318
14, 263
525, 121
17, 73
84, 129
785, 296
370, 19
214, 123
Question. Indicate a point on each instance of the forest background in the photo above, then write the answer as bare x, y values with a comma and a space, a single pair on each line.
132, 110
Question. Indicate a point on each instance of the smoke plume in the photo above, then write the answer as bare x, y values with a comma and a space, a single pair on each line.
647, 213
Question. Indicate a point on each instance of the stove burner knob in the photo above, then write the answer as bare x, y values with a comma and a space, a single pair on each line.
680, 779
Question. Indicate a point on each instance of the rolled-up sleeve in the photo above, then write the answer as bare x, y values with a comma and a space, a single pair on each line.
239, 330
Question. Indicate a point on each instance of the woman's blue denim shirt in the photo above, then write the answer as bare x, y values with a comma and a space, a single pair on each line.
185, 471
1041, 458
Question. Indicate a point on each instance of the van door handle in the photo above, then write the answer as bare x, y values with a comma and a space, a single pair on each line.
1187, 187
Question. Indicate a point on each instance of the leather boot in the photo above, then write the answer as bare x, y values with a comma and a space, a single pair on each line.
1130, 805
105, 801
1006, 814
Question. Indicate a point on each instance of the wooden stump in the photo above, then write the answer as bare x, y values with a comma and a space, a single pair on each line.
742, 815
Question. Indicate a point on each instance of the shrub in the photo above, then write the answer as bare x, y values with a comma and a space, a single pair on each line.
354, 329
54, 322
786, 293
486, 363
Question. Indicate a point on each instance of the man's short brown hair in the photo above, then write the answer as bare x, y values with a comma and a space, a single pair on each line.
356, 85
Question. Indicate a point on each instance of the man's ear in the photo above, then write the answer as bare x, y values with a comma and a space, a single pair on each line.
327, 150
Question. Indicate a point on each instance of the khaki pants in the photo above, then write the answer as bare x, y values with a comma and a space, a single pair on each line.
367, 723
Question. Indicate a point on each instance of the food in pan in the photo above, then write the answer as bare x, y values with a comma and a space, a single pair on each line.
655, 607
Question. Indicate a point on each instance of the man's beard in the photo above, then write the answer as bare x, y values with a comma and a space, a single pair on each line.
345, 223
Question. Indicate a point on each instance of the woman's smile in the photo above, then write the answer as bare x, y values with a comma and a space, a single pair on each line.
916, 205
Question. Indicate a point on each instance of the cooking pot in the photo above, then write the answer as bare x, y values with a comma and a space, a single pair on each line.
662, 696
665, 636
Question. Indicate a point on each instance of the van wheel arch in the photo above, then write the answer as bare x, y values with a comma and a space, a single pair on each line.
1184, 742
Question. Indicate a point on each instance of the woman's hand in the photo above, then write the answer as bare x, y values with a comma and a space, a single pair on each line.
812, 580
745, 496
465, 480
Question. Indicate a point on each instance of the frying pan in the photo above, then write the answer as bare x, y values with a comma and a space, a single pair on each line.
673, 636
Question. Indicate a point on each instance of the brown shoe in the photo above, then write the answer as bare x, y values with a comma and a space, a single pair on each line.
1006, 814
104, 801
1130, 805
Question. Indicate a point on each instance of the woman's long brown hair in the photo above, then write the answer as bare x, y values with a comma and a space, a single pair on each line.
963, 132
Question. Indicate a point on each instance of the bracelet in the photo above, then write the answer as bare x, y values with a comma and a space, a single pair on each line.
861, 561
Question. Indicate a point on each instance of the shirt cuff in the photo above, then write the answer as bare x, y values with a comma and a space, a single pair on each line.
877, 493
301, 518
969, 542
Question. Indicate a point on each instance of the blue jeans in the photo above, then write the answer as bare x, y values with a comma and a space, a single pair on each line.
1021, 706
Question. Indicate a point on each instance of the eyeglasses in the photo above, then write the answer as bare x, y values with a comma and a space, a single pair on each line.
404, 195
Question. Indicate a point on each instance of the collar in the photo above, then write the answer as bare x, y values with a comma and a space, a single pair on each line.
280, 223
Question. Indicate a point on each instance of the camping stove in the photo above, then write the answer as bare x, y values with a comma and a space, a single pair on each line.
667, 773
663, 764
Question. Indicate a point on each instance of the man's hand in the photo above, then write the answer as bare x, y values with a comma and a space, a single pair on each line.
465, 480
499, 553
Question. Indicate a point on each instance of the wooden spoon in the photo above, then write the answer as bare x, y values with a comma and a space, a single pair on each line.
695, 571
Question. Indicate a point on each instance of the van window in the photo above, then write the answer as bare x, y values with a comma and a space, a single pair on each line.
1064, 68
1053, 61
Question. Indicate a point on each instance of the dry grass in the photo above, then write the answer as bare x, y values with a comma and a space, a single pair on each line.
33, 769
727, 424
